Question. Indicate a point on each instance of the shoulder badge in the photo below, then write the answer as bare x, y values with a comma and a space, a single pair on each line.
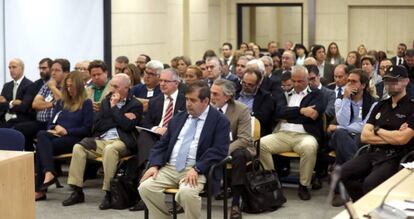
378, 116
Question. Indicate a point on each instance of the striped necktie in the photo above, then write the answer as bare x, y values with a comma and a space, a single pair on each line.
168, 113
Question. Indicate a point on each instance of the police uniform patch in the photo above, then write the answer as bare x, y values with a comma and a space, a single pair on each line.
378, 116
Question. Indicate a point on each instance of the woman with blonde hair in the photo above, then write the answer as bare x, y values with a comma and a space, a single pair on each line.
193, 74
71, 121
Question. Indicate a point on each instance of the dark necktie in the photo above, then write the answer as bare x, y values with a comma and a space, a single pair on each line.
339, 95
220, 110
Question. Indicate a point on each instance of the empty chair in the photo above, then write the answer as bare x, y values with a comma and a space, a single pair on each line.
11, 140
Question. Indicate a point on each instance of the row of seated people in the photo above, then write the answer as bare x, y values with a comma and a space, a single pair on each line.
299, 111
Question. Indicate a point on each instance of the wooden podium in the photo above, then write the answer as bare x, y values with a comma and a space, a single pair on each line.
373, 199
17, 198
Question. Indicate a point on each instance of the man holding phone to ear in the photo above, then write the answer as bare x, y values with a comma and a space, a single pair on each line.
351, 113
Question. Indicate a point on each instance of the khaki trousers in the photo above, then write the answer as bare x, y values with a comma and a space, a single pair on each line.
303, 144
110, 150
151, 192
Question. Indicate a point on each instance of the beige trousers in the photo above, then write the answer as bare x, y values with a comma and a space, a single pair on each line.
303, 144
151, 192
110, 150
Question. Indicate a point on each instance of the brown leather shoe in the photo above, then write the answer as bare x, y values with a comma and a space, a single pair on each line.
337, 201
235, 212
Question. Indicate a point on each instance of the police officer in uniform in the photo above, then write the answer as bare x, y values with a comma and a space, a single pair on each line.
389, 131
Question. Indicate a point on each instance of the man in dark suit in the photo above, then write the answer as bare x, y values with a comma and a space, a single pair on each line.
326, 70
194, 141
300, 131
15, 99
341, 73
328, 95
161, 109
399, 58
288, 60
260, 103
268, 83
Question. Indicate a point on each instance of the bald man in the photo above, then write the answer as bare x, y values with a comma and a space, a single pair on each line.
15, 99
114, 135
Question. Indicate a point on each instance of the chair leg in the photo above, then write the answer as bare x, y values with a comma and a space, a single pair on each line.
146, 213
174, 207
225, 193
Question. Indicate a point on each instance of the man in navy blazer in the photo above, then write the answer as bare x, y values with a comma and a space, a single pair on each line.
16, 107
209, 145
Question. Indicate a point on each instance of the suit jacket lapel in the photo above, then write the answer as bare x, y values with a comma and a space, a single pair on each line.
206, 128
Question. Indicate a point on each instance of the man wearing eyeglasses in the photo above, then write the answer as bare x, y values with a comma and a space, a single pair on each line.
151, 87
161, 110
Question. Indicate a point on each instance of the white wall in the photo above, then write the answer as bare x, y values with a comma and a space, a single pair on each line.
71, 29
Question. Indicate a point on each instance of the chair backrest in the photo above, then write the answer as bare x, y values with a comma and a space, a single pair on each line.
255, 128
11, 139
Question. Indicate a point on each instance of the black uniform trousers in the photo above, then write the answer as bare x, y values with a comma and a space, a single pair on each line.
365, 172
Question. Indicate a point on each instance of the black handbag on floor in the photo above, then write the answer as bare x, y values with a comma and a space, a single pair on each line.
263, 191
124, 185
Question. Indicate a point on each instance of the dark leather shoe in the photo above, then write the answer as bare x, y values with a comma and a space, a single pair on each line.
46, 185
235, 212
74, 198
220, 196
303, 193
106, 203
41, 198
316, 183
139, 206
179, 210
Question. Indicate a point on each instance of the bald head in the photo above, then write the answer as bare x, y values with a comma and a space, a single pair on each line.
16, 68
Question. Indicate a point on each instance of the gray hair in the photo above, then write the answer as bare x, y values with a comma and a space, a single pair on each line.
291, 53
256, 64
156, 65
125, 79
173, 72
215, 59
227, 86
268, 58
299, 68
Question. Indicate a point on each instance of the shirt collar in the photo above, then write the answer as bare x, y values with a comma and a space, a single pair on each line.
224, 108
320, 86
19, 80
99, 88
173, 95
203, 115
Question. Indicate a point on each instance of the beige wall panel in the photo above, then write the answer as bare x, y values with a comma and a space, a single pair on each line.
141, 6
198, 26
197, 50
132, 51
330, 6
400, 28
330, 27
214, 20
197, 6
129, 31
367, 32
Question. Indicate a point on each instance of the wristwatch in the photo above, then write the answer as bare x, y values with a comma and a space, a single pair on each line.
376, 128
